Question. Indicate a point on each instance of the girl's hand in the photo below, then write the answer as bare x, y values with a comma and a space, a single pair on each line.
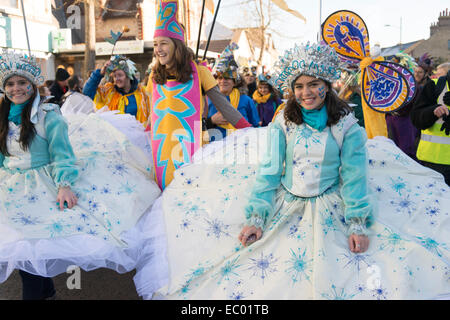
358, 243
249, 234
65, 195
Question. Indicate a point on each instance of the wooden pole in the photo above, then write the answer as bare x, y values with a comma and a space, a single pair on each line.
89, 51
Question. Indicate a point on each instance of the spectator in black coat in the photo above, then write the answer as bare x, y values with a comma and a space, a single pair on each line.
60, 86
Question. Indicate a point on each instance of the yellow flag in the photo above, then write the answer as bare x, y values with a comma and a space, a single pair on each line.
283, 5
210, 5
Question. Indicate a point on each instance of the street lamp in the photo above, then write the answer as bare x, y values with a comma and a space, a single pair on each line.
389, 25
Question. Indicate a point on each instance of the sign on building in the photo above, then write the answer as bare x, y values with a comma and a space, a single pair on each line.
5, 32
122, 47
61, 39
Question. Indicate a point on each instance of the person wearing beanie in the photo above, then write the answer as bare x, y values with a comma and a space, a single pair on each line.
60, 86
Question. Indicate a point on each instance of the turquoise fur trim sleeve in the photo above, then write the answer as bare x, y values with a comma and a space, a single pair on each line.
268, 178
355, 184
2, 158
64, 170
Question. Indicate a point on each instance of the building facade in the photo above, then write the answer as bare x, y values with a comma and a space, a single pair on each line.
438, 45
40, 24
137, 44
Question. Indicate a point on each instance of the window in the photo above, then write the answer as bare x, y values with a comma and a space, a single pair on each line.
9, 4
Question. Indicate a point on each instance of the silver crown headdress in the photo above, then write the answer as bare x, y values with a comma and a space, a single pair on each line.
12, 63
316, 60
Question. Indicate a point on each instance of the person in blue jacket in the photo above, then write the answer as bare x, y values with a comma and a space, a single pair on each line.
228, 78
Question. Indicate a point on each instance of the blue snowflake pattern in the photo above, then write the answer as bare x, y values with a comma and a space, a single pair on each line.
263, 266
356, 260
25, 220
57, 228
432, 245
390, 240
299, 266
328, 221
216, 228
106, 190
336, 294
237, 296
307, 137
432, 211
185, 224
32, 198
118, 169
380, 293
93, 205
404, 205
228, 270
398, 185
127, 188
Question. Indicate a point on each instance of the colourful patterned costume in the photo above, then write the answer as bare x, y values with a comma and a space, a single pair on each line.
176, 130
385, 86
177, 108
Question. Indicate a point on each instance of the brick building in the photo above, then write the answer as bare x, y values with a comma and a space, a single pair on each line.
438, 45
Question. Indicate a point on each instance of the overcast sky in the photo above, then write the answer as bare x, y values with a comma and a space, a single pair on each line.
416, 17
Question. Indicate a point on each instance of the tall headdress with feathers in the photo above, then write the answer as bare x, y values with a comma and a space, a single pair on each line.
226, 65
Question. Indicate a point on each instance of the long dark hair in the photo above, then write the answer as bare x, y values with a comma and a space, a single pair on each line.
336, 108
27, 130
183, 69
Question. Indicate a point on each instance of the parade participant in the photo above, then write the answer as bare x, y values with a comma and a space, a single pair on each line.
249, 78
226, 72
177, 84
318, 192
441, 70
124, 93
431, 115
74, 101
266, 99
317, 237
399, 125
67, 199
60, 86
351, 93
423, 70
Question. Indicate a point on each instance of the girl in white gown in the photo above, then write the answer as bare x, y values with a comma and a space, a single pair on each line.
324, 214
75, 192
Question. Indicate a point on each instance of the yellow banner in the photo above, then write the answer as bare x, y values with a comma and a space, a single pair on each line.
283, 5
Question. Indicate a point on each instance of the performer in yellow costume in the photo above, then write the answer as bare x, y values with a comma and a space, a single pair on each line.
124, 93
177, 85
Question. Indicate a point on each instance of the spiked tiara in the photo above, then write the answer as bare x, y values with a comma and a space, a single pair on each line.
315, 60
12, 63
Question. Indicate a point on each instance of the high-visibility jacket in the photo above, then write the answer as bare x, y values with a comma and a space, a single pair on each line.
434, 145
